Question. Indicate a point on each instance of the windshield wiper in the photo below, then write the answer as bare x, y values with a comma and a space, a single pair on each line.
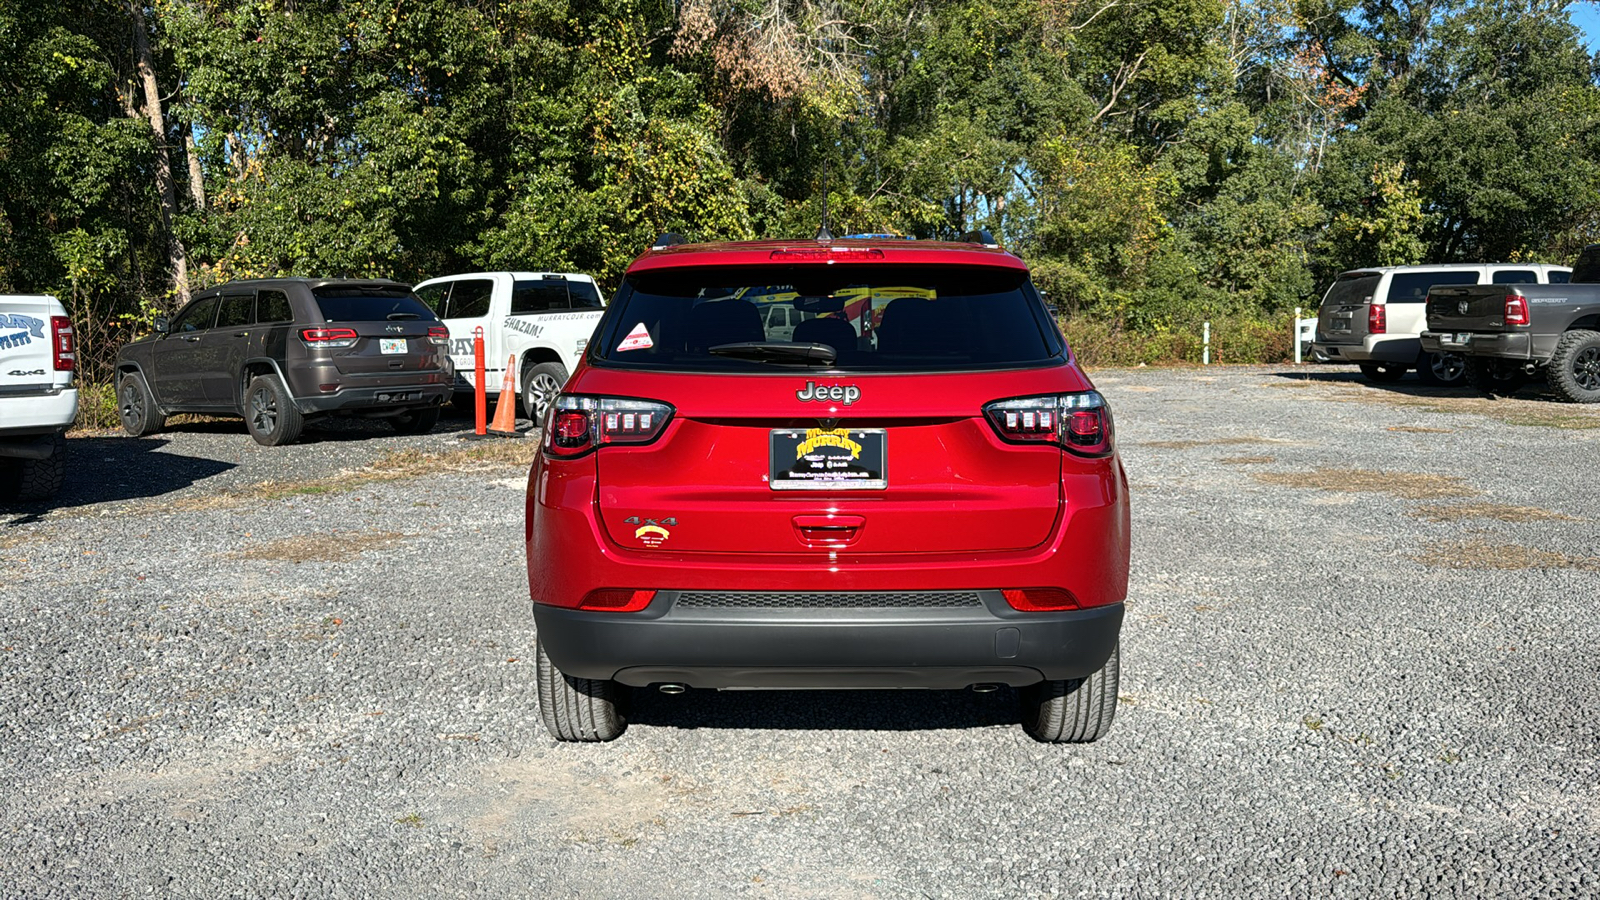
779, 352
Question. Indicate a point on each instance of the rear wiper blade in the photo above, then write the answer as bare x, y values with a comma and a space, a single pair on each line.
779, 352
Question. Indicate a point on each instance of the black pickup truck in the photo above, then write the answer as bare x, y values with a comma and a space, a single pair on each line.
1510, 333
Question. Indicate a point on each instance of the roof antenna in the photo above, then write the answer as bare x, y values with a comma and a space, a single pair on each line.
823, 234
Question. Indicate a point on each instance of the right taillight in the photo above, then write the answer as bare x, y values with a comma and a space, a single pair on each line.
63, 344
577, 424
1516, 310
1377, 319
1080, 423
329, 337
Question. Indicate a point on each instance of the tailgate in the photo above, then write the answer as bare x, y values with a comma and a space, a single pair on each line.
1342, 319
1469, 308
26, 361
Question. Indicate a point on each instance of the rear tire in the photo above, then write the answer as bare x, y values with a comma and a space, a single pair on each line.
136, 408
271, 416
1495, 377
1442, 369
1076, 711
576, 709
1574, 372
540, 385
415, 421
1383, 373
35, 479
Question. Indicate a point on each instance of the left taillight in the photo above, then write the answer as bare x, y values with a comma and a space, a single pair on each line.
1080, 423
329, 337
63, 344
577, 424
439, 334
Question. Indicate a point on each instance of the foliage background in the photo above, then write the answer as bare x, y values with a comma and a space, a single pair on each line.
1157, 162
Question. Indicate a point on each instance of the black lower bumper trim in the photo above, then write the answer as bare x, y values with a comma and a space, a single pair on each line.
829, 648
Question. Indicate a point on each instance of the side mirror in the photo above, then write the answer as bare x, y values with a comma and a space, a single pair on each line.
162, 325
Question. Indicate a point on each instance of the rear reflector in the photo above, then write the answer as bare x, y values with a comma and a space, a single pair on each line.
63, 344
616, 600
1040, 599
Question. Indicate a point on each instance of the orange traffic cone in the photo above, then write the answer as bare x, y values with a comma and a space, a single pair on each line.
505, 409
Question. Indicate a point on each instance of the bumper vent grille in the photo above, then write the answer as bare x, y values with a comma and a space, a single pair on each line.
829, 600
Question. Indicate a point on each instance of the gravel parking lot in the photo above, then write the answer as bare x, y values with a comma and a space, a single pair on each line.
1358, 662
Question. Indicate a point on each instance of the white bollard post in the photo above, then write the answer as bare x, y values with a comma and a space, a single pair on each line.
1205, 341
1294, 331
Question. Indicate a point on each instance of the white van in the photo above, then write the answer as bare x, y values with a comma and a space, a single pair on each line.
545, 318
1375, 317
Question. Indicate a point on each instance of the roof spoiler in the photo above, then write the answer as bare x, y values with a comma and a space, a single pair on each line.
979, 237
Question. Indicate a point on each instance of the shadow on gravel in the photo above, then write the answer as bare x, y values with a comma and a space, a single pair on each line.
104, 469
1410, 386
825, 710
331, 429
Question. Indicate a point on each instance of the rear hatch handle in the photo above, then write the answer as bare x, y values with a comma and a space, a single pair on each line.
829, 531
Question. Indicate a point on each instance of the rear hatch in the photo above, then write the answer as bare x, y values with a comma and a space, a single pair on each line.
1343, 316
391, 342
899, 409
27, 363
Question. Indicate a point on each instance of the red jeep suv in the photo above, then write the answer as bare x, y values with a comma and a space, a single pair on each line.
902, 481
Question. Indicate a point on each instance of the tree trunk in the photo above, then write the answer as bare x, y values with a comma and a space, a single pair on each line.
197, 179
164, 187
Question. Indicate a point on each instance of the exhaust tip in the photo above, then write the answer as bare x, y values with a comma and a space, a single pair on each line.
672, 688
985, 688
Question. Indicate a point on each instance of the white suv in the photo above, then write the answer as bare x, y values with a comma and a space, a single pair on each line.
38, 402
1375, 317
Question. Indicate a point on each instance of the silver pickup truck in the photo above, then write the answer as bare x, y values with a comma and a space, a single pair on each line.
1511, 333
38, 400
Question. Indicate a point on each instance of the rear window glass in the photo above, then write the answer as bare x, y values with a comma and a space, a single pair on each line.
1560, 276
875, 317
1352, 289
369, 305
538, 296
584, 295
1412, 287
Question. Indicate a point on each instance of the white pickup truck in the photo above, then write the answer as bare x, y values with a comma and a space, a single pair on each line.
545, 318
38, 402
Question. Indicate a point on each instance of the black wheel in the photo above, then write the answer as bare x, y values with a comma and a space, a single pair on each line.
1494, 377
540, 385
270, 415
577, 709
1385, 373
136, 408
1442, 369
35, 479
1575, 367
416, 421
1073, 712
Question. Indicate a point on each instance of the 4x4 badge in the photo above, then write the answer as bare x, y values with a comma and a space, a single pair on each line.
813, 392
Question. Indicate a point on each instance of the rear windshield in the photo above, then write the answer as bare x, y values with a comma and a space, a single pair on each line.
370, 305
874, 317
552, 295
1352, 289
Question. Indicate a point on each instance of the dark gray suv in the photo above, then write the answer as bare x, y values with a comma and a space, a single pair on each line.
278, 351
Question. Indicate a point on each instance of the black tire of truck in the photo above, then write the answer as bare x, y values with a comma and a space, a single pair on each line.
1383, 373
577, 709
415, 421
1495, 377
1076, 711
540, 385
1442, 369
136, 408
35, 479
1574, 372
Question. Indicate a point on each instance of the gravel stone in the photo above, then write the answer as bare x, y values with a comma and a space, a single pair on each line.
213, 699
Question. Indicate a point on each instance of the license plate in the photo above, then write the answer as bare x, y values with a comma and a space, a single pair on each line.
1339, 324
392, 345
1462, 337
820, 459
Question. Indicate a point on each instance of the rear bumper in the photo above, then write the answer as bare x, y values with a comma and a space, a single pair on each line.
42, 412
1508, 345
829, 648
1401, 349
396, 397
